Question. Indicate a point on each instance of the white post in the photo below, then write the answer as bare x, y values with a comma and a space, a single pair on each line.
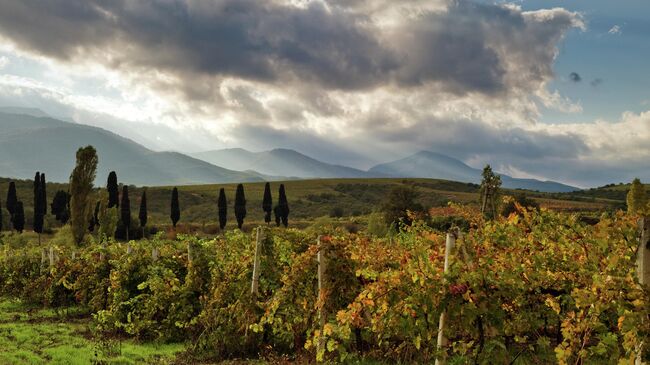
643, 266
155, 253
51, 256
442, 340
322, 277
256, 263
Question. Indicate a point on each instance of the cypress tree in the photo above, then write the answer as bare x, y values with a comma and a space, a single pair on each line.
43, 194
175, 214
240, 205
637, 198
283, 204
81, 185
113, 190
19, 217
142, 215
267, 203
60, 206
276, 212
12, 200
125, 210
222, 204
93, 221
38, 208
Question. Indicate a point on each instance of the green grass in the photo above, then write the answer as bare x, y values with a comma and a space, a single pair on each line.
310, 199
44, 336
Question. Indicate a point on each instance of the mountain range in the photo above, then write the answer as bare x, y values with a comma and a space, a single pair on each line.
31, 141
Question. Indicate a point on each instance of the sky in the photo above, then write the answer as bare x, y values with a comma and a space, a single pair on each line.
544, 89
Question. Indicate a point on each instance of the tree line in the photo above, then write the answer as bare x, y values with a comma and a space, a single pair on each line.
110, 214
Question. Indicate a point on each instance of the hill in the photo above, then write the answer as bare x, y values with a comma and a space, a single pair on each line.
308, 199
426, 164
280, 162
29, 144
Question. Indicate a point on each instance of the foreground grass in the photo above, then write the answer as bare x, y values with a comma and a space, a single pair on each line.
43, 336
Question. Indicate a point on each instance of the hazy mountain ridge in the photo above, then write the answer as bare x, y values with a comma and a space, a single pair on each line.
29, 144
280, 162
426, 164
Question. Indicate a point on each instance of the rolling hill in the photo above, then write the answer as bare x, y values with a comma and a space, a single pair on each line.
280, 162
426, 164
29, 144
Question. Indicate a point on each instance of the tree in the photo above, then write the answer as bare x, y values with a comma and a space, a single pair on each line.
490, 191
222, 204
60, 206
400, 201
267, 203
278, 214
142, 215
43, 194
81, 185
240, 205
283, 204
19, 217
38, 206
108, 219
113, 190
175, 214
520, 199
636, 197
125, 210
12, 200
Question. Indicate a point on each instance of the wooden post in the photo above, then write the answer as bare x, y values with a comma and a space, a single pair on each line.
51, 256
442, 340
322, 277
155, 253
256, 263
189, 252
643, 267
129, 249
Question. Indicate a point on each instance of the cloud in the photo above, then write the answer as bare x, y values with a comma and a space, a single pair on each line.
352, 82
575, 77
615, 30
596, 82
4, 61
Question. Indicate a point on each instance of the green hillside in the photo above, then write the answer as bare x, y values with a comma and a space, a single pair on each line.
308, 199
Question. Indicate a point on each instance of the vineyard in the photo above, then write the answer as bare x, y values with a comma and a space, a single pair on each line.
537, 287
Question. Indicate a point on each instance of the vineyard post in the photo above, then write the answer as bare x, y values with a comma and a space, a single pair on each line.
43, 258
256, 263
129, 249
442, 341
322, 277
189, 252
51, 256
155, 253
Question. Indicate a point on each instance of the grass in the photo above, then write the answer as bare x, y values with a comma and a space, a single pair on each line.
310, 199
43, 336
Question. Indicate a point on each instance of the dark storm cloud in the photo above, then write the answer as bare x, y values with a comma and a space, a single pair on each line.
464, 48
575, 77
242, 38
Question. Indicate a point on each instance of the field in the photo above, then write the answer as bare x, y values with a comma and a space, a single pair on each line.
537, 287
349, 199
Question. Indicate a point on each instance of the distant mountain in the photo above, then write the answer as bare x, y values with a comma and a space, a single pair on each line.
29, 143
427, 164
281, 162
